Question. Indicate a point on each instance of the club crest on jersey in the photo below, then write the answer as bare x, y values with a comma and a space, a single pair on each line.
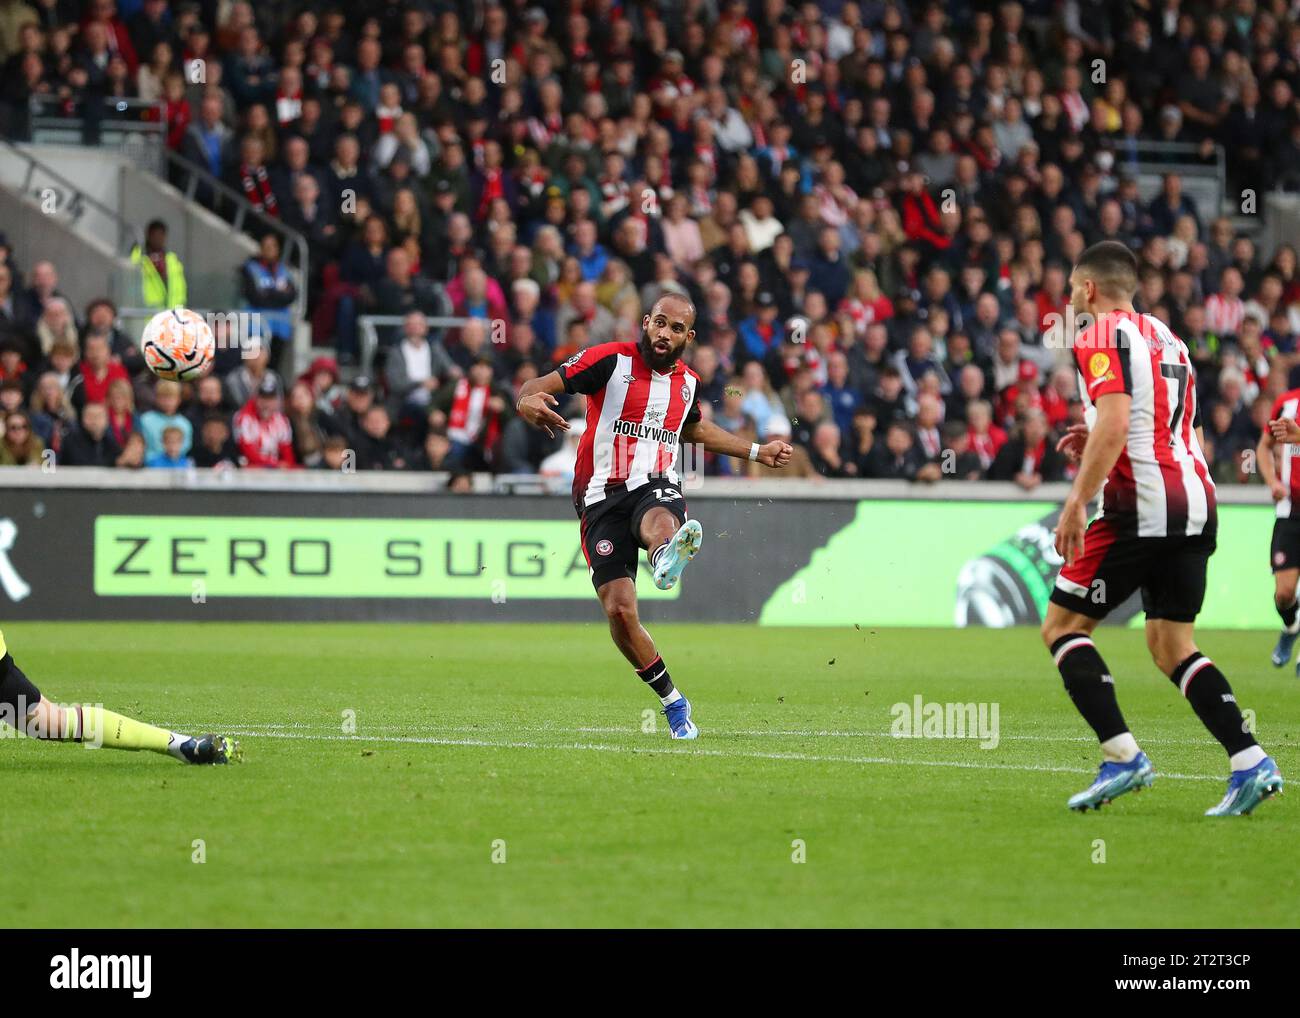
686, 393
604, 547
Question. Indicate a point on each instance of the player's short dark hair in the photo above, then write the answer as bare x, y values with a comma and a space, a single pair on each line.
1112, 266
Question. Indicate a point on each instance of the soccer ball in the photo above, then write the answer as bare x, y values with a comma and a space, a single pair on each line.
178, 345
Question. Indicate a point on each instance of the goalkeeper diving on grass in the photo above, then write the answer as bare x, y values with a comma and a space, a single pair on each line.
642, 404
23, 707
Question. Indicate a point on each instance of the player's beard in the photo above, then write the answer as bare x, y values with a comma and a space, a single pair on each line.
661, 364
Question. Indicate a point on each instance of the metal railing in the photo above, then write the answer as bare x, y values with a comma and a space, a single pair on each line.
110, 120
75, 201
225, 199
1204, 181
368, 327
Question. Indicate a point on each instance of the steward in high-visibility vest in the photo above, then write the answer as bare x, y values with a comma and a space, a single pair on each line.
162, 276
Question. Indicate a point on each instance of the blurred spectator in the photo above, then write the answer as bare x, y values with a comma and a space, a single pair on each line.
165, 414
91, 444
101, 320
262, 432
417, 367
56, 324
245, 380
311, 428
162, 276
122, 418
13, 368
559, 466
208, 141
20, 447
215, 447
97, 372
1029, 458
44, 285
132, 455
476, 411
51, 415
376, 448
358, 398
896, 458
824, 451
207, 398
269, 290
959, 461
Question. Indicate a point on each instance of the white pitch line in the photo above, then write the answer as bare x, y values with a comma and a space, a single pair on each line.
595, 747
615, 730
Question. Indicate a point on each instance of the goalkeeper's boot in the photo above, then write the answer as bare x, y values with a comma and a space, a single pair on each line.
212, 749
1248, 788
1285, 644
673, 556
1113, 780
680, 725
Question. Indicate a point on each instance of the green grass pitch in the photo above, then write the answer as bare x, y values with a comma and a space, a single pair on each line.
529, 739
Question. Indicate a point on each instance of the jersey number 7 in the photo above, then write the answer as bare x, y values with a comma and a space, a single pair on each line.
1178, 374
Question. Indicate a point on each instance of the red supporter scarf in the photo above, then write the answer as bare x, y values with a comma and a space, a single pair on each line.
1034, 456
984, 446
121, 426
257, 189
470, 415
387, 117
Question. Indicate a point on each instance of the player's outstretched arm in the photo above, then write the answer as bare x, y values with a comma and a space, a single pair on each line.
719, 440
1264, 462
1104, 444
537, 399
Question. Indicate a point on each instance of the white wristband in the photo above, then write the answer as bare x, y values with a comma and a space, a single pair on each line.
753, 452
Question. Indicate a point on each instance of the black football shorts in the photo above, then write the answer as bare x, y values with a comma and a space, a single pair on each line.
611, 529
1285, 552
1170, 572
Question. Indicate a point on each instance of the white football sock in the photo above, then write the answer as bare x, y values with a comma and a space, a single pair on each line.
672, 697
1121, 748
1247, 758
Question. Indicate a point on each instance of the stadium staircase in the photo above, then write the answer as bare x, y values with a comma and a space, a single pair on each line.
49, 215
84, 207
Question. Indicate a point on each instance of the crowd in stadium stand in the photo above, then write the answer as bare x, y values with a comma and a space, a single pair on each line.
873, 205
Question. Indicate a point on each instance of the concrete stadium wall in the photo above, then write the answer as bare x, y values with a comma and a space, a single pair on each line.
910, 557
211, 250
87, 268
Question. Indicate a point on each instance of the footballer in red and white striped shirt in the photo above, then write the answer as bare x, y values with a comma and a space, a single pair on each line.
642, 405
1155, 534
1276, 457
